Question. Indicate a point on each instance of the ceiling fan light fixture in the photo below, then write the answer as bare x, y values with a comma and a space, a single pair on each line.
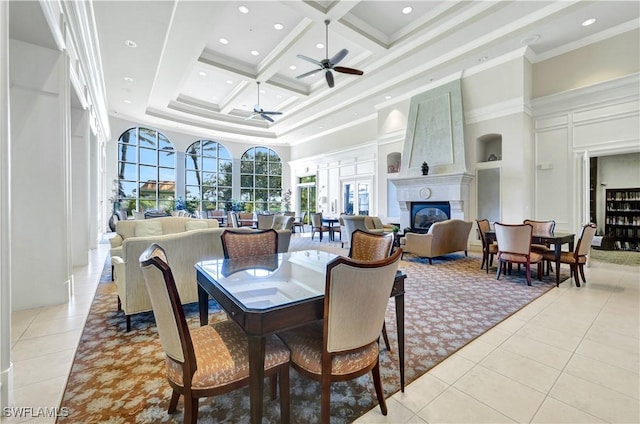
326, 64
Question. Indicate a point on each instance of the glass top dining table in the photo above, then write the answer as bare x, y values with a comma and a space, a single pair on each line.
267, 294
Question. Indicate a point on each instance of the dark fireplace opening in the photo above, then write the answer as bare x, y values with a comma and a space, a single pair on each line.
424, 214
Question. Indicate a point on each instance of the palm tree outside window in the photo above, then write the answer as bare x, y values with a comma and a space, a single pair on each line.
208, 176
146, 170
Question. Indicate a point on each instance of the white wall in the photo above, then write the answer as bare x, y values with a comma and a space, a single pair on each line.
80, 179
40, 247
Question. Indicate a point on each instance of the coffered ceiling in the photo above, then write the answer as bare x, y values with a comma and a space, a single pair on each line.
195, 64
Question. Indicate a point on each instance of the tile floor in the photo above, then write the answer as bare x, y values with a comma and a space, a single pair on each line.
572, 356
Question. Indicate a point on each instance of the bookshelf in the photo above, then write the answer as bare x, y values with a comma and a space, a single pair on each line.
622, 217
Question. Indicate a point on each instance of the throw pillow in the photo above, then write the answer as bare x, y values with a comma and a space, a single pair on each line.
195, 225
148, 228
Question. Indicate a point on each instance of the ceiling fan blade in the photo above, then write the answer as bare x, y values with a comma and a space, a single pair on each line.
253, 115
348, 70
329, 76
271, 112
308, 59
306, 74
339, 56
267, 117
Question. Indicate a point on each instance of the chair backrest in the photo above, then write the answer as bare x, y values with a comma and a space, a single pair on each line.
265, 221
541, 227
351, 224
514, 238
316, 219
483, 227
282, 222
232, 217
167, 307
584, 241
356, 298
370, 247
239, 244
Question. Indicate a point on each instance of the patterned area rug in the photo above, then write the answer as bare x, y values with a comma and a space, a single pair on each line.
119, 377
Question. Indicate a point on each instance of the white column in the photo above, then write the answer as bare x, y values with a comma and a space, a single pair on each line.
40, 176
80, 179
6, 369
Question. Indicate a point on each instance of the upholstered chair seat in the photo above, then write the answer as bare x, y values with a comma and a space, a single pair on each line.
514, 246
344, 345
578, 257
209, 360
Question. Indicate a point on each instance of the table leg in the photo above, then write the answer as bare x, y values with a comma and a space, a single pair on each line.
203, 306
557, 248
400, 326
256, 376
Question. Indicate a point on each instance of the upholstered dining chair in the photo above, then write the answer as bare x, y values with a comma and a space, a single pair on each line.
372, 247
265, 221
514, 246
232, 220
487, 253
239, 243
542, 227
299, 222
317, 226
578, 257
344, 345
209, 360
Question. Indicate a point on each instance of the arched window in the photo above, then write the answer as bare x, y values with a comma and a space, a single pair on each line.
261, 180
146, 170
208, 175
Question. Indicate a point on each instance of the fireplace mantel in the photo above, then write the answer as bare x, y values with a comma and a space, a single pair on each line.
453, 188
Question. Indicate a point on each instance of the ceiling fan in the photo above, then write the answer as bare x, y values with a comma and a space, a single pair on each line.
327, 64
258, 111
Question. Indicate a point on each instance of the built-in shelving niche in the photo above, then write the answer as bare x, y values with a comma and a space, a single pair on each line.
393, 162
489, 148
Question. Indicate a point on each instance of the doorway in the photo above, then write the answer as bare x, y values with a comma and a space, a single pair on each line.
356, 196
307, 197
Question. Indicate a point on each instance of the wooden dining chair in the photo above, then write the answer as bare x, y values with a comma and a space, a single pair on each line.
241, 243
209, 360
542, 228
299, 222
344, 345
317, 226
578, 257
487, 253
372, 247
514, 246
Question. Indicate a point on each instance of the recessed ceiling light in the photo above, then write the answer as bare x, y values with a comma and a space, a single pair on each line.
128, 79
229, 82
407, 10
530, 39
255, 52
243, 9
130, 43
589, 22
278, 26
223, 41
320, 45
127, 101
202, 73
321, 127
387, 97
293, 67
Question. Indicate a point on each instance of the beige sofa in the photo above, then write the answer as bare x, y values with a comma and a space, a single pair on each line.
186, 242
443, 237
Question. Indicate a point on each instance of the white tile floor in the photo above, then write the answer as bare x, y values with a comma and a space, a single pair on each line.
572, 356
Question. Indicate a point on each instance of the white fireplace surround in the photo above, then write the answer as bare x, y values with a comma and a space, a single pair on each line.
453, 188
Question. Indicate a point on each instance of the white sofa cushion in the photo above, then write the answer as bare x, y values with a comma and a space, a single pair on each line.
148, 228
195, 225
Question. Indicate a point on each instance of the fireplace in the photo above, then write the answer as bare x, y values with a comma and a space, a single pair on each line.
424, 214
